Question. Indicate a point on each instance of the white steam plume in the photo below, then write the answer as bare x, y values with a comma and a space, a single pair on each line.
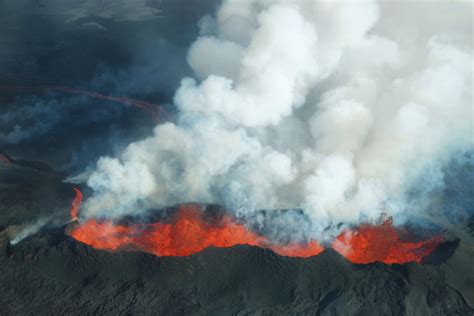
338, 108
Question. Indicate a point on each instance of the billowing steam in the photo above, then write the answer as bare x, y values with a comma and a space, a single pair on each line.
341, 109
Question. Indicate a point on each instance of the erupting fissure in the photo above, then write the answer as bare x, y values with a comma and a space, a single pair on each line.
188, 232
384, 243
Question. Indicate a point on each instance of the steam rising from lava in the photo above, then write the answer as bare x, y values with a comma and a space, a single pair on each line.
189, 231
338, 108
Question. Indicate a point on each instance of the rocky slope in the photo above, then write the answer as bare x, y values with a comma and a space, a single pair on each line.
50, 273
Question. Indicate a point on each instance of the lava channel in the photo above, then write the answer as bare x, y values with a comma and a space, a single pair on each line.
384, 243
157, 111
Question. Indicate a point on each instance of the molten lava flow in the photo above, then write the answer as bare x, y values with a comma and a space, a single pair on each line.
76, 204
157, 111
188, 233
383, 243
302, 250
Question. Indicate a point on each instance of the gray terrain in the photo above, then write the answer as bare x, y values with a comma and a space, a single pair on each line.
48, 272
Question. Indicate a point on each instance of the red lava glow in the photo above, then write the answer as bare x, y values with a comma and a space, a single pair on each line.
156, 110
4, 159
383, 243
189, 232
76, 204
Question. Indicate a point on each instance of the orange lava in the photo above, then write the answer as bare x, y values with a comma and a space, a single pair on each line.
383, 243
187, 233
76, 204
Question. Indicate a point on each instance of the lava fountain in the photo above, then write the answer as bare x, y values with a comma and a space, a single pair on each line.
384, 243
189, 231
76, 204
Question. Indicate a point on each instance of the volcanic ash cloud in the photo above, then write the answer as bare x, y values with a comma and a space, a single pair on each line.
338, 108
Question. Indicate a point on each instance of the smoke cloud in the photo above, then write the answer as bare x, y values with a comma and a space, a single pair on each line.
28, 230
340, 109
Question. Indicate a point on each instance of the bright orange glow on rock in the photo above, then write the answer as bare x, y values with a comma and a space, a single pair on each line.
187, 233
383, 243
76, 204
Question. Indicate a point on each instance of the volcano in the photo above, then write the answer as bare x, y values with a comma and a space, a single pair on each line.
215, 265
224, 157
188, 232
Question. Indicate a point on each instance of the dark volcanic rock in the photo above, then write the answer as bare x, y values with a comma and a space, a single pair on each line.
29, 195
50, 273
